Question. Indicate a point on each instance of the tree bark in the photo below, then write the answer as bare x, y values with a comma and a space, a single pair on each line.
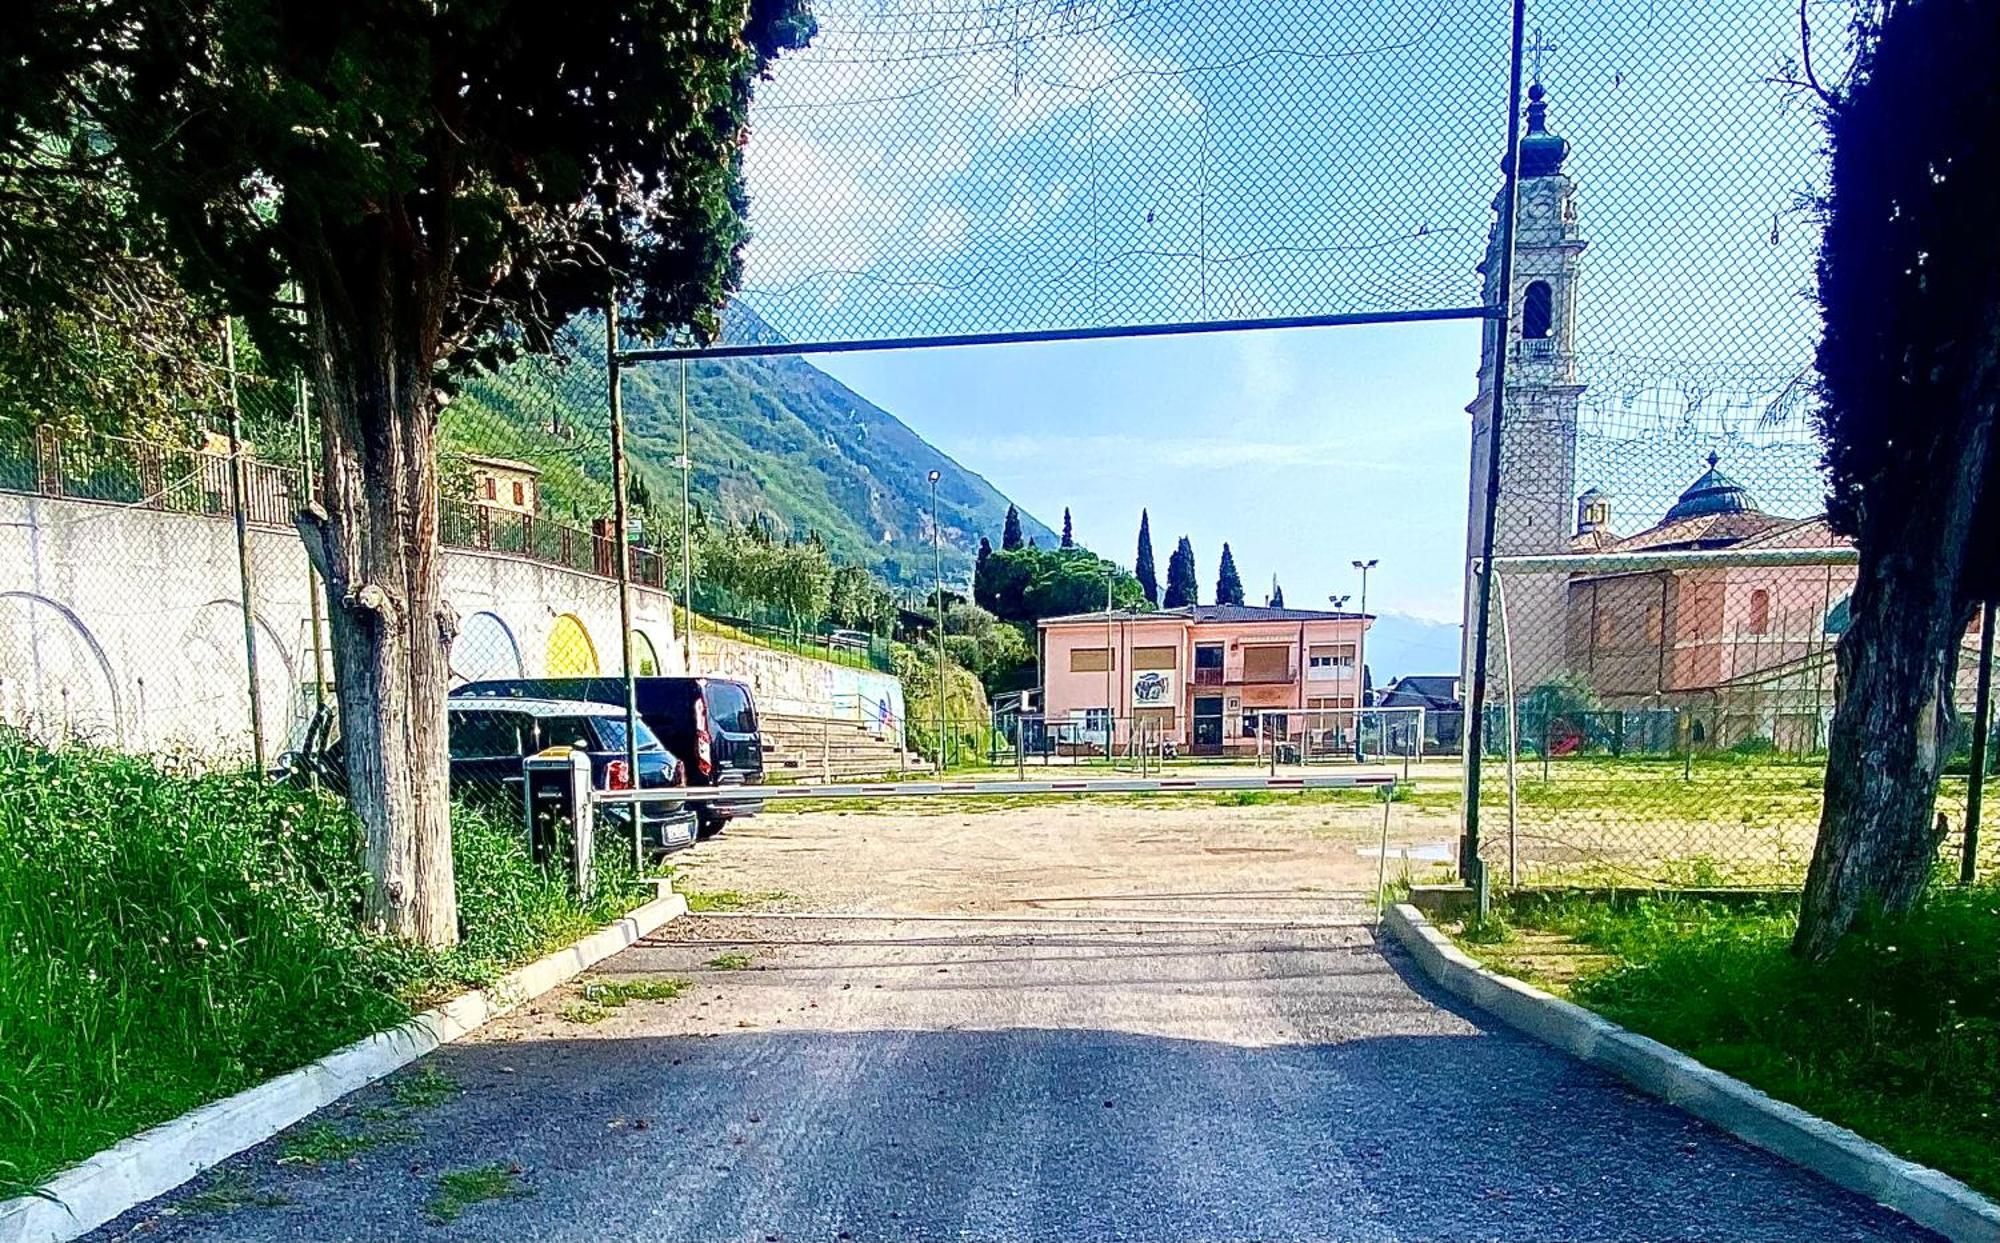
1897, 672
373, 351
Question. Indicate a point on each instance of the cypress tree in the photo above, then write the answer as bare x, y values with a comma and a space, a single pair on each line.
1069, 540
1182, 585
1277, 600
1010, 534
1149, 581
1228, 583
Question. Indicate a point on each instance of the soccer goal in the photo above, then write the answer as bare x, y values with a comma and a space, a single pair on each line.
1289, 736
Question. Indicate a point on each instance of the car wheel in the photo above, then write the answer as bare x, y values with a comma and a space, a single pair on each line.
708, 826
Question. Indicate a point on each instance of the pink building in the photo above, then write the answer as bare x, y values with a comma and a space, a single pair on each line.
1197, 674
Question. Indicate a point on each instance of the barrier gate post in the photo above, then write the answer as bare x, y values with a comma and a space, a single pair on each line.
555, 805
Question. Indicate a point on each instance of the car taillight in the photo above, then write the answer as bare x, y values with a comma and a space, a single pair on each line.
703, 757
617, 776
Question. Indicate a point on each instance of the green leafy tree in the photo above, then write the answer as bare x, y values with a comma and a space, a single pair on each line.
1228, 583
1182, 586
443, 185
1068, 539
1010, 534
856, 601
1149, 581
1028, 584
1909, 385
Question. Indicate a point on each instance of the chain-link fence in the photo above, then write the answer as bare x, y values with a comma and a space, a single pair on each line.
1667, 594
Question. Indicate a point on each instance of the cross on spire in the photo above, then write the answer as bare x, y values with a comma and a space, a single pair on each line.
1535, 49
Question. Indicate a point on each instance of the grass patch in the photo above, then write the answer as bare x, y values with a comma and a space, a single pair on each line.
1897, 1036
326, 1144
732, 961
600, 997
700, 900
230, 1191
458, 1190
426, 1089
167, 939
586, 1012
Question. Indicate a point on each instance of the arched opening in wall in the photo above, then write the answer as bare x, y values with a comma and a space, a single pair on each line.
201, 707
1538, 311
55, 681
571, 653
645, 657
485, 648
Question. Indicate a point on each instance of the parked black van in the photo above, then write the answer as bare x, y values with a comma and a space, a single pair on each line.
711, 721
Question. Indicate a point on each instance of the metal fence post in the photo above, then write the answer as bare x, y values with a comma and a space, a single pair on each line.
1975, 775
245, 581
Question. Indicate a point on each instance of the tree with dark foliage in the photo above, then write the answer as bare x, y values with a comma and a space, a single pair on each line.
1149, 580
1183, 586
1010, 531
1228, 583
1068, 539
442, 185
1277, 600
1909, 284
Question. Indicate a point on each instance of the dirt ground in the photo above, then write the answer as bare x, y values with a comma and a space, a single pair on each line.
1289, 856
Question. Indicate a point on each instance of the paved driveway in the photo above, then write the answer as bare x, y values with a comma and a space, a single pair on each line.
1045, 1079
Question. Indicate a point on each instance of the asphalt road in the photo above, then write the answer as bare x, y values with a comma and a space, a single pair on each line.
886, 1079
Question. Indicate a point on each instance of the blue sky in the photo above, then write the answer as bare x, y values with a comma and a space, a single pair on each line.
1305, 449
930, 166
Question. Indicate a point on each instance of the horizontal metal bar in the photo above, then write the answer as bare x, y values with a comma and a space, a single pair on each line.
974, 789
1117, 332
1638, 562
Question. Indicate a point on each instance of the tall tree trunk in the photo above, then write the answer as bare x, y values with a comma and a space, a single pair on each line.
1897, 678
373, 358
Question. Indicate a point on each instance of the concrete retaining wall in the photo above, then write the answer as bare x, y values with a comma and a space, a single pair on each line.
122, 625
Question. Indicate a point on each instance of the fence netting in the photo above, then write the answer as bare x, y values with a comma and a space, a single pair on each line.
1668, 596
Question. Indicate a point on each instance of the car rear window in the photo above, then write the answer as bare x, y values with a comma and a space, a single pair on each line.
484, 735
612, 730
729, 707
568, 731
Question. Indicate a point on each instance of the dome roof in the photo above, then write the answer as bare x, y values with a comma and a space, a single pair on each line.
1713, 493
1542, 153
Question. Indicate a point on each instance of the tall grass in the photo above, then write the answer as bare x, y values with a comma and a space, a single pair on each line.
1897, 1036
166, 940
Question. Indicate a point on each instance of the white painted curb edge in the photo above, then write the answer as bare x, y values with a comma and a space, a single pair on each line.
1937, 1201
155, 1161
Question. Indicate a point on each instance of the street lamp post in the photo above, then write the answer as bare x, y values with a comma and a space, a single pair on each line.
1361, 656
937, 569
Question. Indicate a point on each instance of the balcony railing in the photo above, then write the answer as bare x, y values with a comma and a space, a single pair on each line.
1208, 677
1270, 677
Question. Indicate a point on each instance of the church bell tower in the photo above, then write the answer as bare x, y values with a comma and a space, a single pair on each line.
1539, 417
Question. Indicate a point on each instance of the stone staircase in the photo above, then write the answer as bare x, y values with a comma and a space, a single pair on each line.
813, 748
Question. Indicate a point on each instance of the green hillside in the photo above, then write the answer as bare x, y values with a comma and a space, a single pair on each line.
771, 436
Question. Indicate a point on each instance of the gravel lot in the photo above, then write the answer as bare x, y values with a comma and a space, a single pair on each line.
1074, 1023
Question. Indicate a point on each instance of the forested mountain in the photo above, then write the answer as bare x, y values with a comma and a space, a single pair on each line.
775, 437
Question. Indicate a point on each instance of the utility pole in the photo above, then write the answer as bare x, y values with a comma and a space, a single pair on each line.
1361, 656
937, 578
238, 485
1110, 658
687, 535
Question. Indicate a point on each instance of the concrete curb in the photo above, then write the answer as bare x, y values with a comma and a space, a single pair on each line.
1924, 1195
154, 1162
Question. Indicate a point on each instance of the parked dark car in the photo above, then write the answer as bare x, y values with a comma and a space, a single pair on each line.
490, 738
710, 721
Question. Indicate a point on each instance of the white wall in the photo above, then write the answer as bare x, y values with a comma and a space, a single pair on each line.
122, 625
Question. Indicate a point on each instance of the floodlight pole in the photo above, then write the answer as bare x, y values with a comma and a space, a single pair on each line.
687, 535
1361, 657
937, 579
238, 485
623, 548
1975, 790
1469, 865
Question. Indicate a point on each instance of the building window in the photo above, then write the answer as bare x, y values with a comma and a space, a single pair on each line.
1153, 657
1267, 663
1089, 659
492, 488
1097, 720
520, 493
1538, 310
1330, 660
1760, 611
